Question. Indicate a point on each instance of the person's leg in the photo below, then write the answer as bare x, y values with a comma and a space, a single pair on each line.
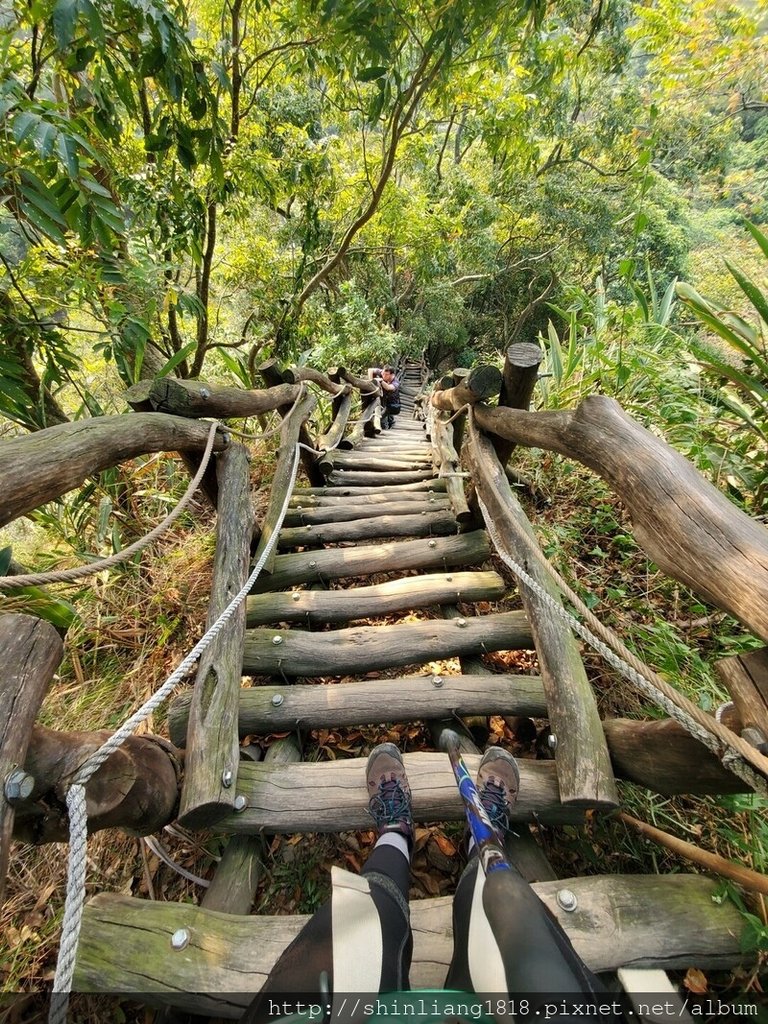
506, 941
307, 964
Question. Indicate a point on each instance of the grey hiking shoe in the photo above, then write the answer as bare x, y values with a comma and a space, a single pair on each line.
498, 782
389, 802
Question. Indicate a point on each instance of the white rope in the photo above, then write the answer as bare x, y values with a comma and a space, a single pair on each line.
730, 759
78, 817
80, 571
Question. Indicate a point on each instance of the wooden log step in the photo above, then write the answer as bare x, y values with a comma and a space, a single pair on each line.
381, 478
319, 606
344, 563
379, 460
668, 921
673, 923
331, 796
396, 490
361, 649
425, 524
344, 513
403, 699
334, 497
373, 444
374, 462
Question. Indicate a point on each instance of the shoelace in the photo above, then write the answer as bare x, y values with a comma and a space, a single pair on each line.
390, 805
494, 800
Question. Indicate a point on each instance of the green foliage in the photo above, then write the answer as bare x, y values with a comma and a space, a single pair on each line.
741, 372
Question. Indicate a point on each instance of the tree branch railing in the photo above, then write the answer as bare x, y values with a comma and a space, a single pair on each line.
681, 521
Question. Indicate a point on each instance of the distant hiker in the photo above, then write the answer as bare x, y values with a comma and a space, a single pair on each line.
390, 385
507, 944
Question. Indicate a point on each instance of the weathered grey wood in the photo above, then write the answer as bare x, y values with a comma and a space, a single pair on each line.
662, 756
390, 445
335, 432
481, 383
363, 384
520, 373
403, 699
273, 376
527, 856
583, 763
39, 467
281, 480
347, 477
380, 599
297, 374
336, 498
331, 796
448, 464
212, 745
272, 373
644, 920
683, 523
746, 677
379, 462
373, 425
360, 649
396, 490
196, 398
425, 524
344, 563
31, 651
135, 789
209, 487
286, 750
237, 876
345, 513
383, 460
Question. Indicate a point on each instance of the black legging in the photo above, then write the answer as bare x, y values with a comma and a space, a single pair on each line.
310, 954
529, 947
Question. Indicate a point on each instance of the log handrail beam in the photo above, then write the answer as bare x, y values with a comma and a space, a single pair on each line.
682, 522
36, 468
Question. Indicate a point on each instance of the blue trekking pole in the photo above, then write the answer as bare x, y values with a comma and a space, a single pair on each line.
489, 849
559, 968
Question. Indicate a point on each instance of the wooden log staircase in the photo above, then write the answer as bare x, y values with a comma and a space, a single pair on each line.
386, 534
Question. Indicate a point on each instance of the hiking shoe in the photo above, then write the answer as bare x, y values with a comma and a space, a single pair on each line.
498, 782
389, 802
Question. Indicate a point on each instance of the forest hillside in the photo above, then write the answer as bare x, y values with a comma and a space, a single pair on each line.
192, 189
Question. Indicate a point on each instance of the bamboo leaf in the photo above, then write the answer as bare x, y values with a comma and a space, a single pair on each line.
751, 290
64, 20
758, 236
179, 357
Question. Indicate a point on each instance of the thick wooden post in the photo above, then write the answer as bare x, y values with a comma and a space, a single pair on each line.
521, 371
31, 651
213, 745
